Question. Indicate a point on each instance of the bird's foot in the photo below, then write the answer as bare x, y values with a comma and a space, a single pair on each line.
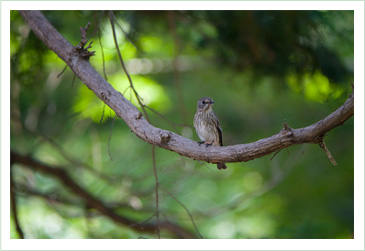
206, 145
201, 142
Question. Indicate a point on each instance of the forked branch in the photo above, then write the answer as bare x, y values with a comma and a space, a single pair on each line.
169, 140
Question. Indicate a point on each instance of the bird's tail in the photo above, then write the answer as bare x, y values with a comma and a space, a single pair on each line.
221, 166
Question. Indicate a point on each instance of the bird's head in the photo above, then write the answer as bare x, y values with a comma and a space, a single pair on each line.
205, 104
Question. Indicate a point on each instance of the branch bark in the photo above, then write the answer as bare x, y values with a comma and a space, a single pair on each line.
169, 140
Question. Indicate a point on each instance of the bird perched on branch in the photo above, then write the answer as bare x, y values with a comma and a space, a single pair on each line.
207, 125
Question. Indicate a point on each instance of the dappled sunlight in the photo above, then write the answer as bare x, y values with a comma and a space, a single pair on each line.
315, 86
151, 92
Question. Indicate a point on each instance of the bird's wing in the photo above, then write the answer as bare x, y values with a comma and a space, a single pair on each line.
219, 129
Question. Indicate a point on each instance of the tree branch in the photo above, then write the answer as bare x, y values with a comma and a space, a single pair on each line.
166, 139
92, 201
14, 207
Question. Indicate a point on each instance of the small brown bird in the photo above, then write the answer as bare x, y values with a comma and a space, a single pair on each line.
207, 125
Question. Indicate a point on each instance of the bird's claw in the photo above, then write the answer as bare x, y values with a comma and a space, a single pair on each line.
206, 145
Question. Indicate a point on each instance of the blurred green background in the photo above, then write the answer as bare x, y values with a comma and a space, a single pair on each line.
262, 68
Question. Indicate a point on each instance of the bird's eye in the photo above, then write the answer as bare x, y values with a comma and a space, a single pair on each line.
203, 102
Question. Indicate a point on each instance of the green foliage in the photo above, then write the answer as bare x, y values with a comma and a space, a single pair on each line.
315, 86
262, 68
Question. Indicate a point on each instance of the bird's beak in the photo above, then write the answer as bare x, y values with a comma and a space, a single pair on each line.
211, 102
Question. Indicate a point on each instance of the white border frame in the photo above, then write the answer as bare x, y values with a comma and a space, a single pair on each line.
244, 244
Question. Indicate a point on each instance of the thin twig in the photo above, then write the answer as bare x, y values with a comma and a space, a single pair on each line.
97, 23
110, 136
329, 155
102, 114
80, 48
275, 154
64, 69
144, 221
111, 17
156, 191
126, 89
125, 33
90, 200
186, 209
168, 220
73, 80
71, 159
174, 125
101, 45
274, 181
14, 210
179, 92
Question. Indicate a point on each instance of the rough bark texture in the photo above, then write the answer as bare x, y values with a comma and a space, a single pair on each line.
169, 140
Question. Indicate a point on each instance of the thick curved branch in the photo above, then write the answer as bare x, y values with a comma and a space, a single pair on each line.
94, 202
169, 140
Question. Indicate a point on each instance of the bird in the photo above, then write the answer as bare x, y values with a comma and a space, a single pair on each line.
207, 125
